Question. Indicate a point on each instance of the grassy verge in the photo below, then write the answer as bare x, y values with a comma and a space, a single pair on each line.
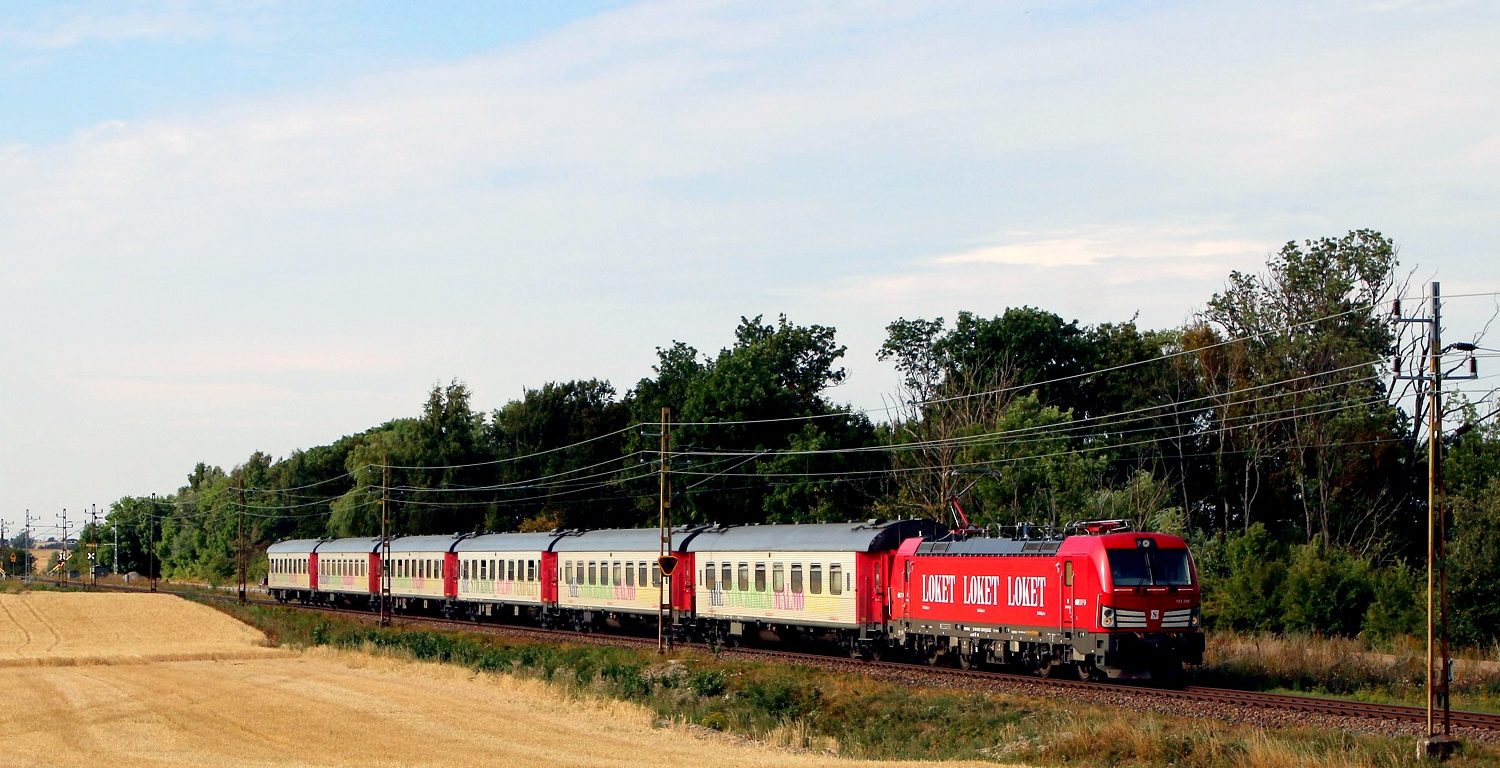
1393, 673
851, 715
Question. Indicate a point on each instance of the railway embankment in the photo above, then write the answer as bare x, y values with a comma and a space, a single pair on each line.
884, 712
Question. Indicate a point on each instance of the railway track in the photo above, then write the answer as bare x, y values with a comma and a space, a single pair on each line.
1396, 713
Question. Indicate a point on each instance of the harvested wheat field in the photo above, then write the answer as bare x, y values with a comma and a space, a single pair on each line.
65, 628
314, 708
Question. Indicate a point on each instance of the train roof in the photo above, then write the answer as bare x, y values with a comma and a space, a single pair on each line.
990, 547
870, 536
509, 542
424, 543
621, 540
294, 547
358, 546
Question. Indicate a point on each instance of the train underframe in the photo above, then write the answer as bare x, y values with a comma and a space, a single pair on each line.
1116, 655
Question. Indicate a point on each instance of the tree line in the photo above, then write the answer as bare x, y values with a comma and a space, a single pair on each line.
1268, 430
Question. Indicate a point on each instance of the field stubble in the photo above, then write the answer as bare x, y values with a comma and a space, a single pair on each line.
153, 680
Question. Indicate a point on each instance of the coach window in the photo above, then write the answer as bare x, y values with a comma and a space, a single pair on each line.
709, 582
531, 570
619, 575
744, 579
592, 575
630, 574
760, 577
656, 574
640, 574
815, 577
835, 579
778, 578
797, 578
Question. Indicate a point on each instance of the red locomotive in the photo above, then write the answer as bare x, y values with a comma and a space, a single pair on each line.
1108, 602
1103, 601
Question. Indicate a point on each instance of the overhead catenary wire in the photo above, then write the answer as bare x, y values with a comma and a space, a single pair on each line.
1072, 426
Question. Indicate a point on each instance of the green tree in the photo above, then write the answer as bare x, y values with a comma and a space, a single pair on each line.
1248, 596
1324, 440
1327, 590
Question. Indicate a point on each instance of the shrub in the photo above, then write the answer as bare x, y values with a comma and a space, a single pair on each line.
1326, 591
1248, 596
1397, 607
708, 683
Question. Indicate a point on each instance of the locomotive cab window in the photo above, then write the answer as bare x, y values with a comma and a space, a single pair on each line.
1149, 567
1068, 573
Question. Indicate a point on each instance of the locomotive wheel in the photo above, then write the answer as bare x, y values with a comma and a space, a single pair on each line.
965, 660
933, 656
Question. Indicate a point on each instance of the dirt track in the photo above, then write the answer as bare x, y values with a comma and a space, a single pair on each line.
118, 704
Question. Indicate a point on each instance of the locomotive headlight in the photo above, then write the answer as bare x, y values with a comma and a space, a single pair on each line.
1197, 617
1107, 616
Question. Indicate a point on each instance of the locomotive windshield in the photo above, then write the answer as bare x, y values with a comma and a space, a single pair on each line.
1150, 568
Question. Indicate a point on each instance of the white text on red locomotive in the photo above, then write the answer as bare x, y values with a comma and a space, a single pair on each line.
1025, 590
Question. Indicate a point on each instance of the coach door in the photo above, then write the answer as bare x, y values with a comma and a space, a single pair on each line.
1067, 617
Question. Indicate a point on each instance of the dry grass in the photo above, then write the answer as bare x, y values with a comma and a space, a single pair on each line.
67, 629
1395, 672
318, 707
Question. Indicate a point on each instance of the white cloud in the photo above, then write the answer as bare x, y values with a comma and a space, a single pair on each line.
561, 206
77, 23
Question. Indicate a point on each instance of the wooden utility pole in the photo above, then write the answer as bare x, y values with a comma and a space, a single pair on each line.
93, 545
385, 545
151, 543
663, 563
63, 523
243, 561
1438, 743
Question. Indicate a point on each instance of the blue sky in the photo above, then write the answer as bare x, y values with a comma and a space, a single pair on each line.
263, 225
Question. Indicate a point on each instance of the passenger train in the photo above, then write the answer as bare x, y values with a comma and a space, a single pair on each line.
1105, 601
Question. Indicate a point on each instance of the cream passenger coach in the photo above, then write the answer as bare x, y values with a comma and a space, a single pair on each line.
825, 578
